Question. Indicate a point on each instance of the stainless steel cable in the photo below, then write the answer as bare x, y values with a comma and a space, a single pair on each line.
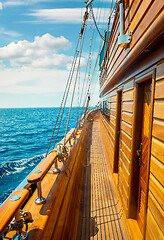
65, 94
83, 37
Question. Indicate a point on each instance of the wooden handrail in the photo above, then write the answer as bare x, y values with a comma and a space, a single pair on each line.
43, 168
9, 209
39, 173
68, 136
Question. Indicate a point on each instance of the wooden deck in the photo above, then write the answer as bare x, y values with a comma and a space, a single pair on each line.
63, 215
100, 218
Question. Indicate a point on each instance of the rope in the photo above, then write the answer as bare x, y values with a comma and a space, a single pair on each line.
91, 79
84, 82
104, 40
81, 34
96, 25
69, 81
75, 82
85, 86
66, 91
65, 101
100, 6
78, 101
102, 37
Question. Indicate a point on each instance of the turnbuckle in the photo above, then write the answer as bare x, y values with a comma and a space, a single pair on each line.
18, 223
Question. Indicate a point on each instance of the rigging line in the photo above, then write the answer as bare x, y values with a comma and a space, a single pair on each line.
93, 45
65, 103
91, 50
81, 12
95, 79
93, 72
86, 72
59, 113
80, 37
102, 37
66, 88
75, 82
99, 10
78, 109
103, 21
85, 84
102, 43
96, 25
86, 90
113, 7
85, 77
85, 98
101, 7
78, 100
109, 18
104, 16
82, 30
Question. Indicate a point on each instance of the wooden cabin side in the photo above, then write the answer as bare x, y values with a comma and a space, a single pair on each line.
124, 165
143, 20
134, 86
155, 212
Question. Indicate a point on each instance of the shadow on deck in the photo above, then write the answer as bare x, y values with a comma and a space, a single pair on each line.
100, 218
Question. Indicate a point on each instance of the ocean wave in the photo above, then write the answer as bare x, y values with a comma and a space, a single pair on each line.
25, 131
16, 135
14, 167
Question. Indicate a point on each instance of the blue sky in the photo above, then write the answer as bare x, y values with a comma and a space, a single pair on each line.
37, 43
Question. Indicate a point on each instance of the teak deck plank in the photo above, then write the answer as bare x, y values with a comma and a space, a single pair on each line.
100, 218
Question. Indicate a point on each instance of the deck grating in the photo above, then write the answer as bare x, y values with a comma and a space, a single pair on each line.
100, 218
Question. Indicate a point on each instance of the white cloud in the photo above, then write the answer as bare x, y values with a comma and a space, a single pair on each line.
42, 52
49, 61
13, 3
39, 46
66, 15
10, 3
1, 6
34, 87
49, 42
23, 3
9, 33
35, 67
32, 80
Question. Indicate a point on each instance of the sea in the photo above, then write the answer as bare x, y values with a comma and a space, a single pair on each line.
25, 134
